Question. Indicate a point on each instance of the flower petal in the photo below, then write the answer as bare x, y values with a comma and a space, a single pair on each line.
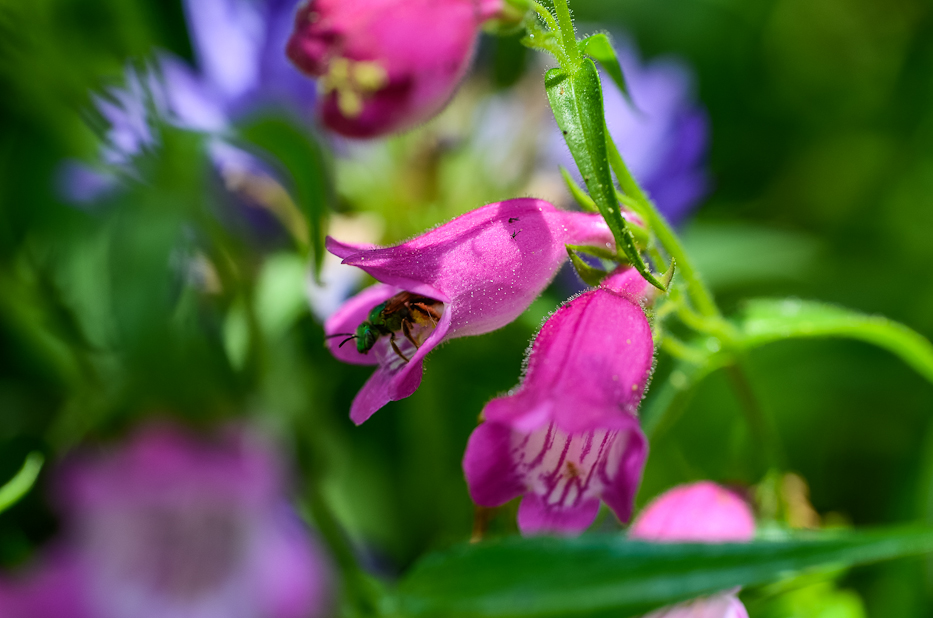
395, 379
590, 361
491, 475
700, 512
623, 471
490, 263
227, 39
535, 517
718, 606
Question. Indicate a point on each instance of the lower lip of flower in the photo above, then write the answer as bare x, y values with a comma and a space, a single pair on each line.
566, 469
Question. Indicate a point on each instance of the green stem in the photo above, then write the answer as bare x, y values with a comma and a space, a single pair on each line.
567, 33
697, 290
546, 16
761, 426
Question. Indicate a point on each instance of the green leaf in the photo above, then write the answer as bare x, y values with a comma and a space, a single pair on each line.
767, 320
579, 195
668, 398
607, 575
590, 275
577, 102
305, 161
19, 485
600, 48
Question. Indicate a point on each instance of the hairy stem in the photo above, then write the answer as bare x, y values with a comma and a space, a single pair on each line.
701, 297
567, 33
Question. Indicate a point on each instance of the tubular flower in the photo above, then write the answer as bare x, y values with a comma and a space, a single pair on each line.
569, 436
386, 65
469, 276
698, 513
172, 526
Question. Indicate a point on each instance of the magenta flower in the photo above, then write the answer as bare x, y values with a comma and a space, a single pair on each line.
469, 276
169, 526
698, 513
386, 65
569, 436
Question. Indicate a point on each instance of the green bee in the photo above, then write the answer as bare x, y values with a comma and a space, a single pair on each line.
399, 313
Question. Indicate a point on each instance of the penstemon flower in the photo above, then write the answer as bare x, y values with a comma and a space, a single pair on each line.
386, 65
569, 437
469, 276
172, 526
698, 513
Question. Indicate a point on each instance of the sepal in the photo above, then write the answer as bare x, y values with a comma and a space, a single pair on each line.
590, 275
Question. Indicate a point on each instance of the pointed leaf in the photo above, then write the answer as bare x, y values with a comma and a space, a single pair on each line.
607, 575
590, 275
767, 320
579, 195
577, 102
600, 49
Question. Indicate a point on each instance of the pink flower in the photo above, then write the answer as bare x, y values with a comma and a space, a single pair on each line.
569, 436
469, 276
170, 526
386, 65
698, 513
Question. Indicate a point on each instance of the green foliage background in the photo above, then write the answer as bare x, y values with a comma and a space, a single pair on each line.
822, 157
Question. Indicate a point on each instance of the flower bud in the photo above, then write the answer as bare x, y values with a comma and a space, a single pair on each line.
385, 65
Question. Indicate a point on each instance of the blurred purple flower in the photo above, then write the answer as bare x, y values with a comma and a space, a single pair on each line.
471, 276
170, 526
700, 512
240, 49
569, 437
386, 65
664, 141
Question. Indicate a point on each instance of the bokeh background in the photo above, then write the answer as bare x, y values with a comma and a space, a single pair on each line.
821, 160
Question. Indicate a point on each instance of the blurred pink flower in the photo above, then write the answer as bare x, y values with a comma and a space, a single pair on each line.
469, 276
569, 436
700, 512
171, 526
386, 65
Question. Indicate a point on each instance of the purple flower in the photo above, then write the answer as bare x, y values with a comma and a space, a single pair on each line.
240, 48
170, 526
386, 65
469, 276
664, 141
568, 437
698, 513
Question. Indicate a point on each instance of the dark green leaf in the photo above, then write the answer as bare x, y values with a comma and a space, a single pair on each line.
602, 575
600, 48
767, 320
577, 103
305, 161
590, 275
668, 398
579, 195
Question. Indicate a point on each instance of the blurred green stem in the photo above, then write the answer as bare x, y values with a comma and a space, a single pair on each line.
763, 430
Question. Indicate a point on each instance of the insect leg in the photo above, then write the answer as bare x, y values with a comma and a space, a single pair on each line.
395, 347
406, 330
